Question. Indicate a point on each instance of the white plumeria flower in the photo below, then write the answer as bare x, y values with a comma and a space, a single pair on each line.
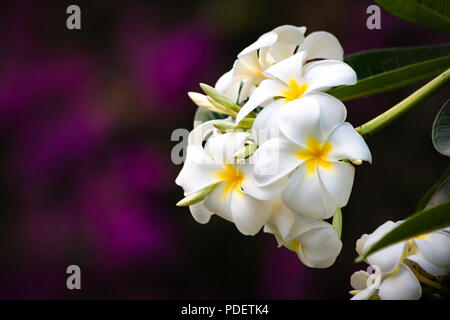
235, 197
271, 48
399, 285
396, 280
292, 79
316, 140
393, 280
430, 251
315, 242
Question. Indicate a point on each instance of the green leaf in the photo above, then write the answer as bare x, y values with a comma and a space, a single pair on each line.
337, 222
441, 130
219, 98
433, 14
388, 69
425, 221
438, 193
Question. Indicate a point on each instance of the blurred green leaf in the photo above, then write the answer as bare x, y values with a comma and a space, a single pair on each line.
433, 14
425, 221
203, 115
387, 69
441, 130
438, 193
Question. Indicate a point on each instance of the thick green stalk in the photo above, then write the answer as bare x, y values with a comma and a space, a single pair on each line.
405, 105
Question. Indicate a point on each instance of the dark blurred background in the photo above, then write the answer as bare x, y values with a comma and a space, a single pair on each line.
85, 172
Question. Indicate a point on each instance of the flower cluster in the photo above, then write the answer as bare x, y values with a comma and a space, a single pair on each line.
284, 158
401, 267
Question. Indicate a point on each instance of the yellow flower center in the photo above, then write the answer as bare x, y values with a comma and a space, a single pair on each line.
295, 90
232, 178
315, 154
295, 245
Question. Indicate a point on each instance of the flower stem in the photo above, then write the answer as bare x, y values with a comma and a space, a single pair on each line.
405, 105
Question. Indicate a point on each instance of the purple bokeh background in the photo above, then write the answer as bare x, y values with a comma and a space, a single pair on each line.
86, 176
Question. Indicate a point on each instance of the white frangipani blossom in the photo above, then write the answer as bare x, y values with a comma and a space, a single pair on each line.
315, 242
395, 279
302, 170
271, 48
315, 142
291, 80
235, 196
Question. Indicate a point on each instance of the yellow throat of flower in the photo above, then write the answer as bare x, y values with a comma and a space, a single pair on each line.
295, 90
315, 155
232, 179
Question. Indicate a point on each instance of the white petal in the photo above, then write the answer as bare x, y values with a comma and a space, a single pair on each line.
435, 248
199, 171
266, 90
266, 40
358, 280
360, 243
365, 294
222, 147
224, 82
428, 266
289, 37
332, 112
238, 84
200, 99
338, 181
322, 75
348, 144
269, 192
320, 245
218, 202
304, 224
402, 285
389, 258
299, 120
266, 124
200, 213
288, 69
274, 160
323, 45
282, 220
249, 214
304, 195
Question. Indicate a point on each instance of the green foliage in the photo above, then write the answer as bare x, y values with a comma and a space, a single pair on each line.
441, 130
433, 14
203, 115
438, 193
387, 69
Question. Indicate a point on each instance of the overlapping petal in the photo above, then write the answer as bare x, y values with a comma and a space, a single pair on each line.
387, 259
322, 45
401, 285
305, 195
198, 172
338, 181
266, 90
200, 213
324, 74
435, 247
248, 213
348, 144
274, 160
